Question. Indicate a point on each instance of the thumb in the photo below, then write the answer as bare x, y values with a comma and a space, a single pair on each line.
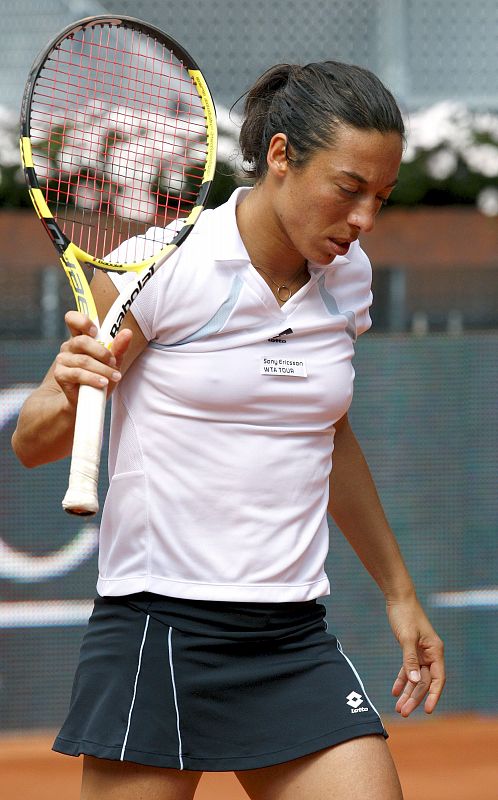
121, 344
411, 665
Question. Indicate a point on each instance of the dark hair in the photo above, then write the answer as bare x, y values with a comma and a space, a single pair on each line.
308, 104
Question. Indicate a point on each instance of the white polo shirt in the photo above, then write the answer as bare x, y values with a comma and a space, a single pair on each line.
222, 430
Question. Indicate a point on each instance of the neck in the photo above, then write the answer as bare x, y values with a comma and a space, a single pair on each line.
264, 241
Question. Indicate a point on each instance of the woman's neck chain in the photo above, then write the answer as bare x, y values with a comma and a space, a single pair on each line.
284, 291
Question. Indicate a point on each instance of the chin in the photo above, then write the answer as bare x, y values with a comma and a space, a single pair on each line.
324, 261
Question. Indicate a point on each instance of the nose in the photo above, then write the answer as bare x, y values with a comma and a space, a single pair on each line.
362, 217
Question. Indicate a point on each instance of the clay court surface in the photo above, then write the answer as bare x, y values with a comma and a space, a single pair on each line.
445, 758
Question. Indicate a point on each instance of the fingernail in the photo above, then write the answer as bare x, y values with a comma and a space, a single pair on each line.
116, 376
414, 676
93, 331
103, 381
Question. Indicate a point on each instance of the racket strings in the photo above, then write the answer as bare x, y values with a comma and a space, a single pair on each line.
119, 137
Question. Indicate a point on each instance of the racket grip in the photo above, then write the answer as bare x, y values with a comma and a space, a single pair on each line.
81, 497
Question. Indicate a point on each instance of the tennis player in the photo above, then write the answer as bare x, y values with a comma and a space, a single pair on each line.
208, 647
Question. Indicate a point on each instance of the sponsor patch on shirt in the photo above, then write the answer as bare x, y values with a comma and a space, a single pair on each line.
288, 367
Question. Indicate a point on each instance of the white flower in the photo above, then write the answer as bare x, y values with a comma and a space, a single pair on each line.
446, 123
82, 147
135, 202
410, 152
442, 164
89, 193
487, 124
487, 201
137, 161
229, 124
9, 147
9, 151
448, 133
124, 121
483, 159
228, 152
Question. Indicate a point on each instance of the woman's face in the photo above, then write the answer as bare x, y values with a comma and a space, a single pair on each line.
321, 207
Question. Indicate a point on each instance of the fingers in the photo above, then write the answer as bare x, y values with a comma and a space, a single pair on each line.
399, 683
79, 323
438, 679
120, 345
409, 677
92, 366
411, 693
84, 360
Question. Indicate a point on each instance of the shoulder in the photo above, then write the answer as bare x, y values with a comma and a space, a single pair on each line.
349, 281
144, 246
351, 275
195, 280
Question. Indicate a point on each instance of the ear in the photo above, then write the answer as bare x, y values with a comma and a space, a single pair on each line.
276, 157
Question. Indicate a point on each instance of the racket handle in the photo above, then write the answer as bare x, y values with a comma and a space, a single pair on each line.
82, 494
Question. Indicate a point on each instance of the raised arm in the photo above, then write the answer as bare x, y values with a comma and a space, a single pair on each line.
45, 426
356, 508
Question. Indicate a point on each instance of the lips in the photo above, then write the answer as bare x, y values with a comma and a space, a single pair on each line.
339, 247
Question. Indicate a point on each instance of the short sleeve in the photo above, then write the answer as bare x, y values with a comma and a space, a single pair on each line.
350, 282
137, 249
185, 292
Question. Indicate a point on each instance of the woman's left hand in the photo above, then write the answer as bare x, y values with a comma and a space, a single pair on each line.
423, 673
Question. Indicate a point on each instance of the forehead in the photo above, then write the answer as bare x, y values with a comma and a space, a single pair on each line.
367, 153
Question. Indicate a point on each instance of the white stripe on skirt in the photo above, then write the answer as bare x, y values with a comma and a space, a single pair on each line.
170, 650
135, 688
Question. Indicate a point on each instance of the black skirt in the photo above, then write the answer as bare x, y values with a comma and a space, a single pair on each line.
212, 686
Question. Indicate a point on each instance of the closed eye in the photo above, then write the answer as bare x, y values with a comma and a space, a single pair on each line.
353, 192
349, 192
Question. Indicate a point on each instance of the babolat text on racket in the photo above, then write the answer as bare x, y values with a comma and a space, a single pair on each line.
118, 138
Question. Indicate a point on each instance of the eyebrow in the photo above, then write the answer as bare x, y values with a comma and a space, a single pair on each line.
361, 179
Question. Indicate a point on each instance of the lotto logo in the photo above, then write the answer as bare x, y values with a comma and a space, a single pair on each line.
355, 700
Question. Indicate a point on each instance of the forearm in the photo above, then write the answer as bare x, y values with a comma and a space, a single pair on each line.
45, 427
356, 508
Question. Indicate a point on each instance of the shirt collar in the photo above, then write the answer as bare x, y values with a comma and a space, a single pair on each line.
228, 244
228, 241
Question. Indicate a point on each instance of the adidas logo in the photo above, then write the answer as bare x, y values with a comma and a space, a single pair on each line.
355, 700
278, 337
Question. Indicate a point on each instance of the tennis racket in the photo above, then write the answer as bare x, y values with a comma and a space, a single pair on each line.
118, 141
